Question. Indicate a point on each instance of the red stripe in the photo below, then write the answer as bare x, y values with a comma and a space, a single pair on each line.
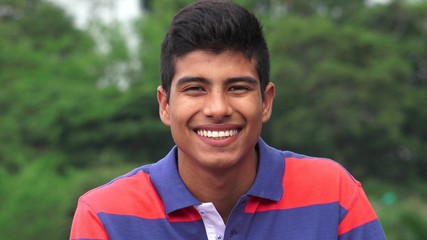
360, 213
135, 196
189, 214
307, 182
132, 195
81, 230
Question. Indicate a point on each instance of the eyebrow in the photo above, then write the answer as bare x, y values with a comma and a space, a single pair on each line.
245, 79
190, 79
185, 80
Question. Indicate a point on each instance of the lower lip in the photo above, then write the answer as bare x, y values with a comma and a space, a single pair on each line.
219, 142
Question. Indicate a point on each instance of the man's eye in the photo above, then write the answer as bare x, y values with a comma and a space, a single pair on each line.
193, 89
239, 88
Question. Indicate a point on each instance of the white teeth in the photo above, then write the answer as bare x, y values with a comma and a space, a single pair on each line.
217, 134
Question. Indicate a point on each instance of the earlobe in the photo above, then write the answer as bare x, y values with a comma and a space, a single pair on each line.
163, 106
267, 104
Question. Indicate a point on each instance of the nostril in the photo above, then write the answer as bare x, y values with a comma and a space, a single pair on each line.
217, 109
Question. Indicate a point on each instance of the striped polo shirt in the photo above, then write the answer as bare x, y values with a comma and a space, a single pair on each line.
293, 197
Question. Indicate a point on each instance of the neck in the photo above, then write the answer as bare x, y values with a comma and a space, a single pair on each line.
222, 187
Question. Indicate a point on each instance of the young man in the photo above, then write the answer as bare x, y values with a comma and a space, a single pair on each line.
221, 181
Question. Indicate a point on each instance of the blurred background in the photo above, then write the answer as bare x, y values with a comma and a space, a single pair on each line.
78, 106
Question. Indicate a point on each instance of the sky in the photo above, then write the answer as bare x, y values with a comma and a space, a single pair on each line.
106, 10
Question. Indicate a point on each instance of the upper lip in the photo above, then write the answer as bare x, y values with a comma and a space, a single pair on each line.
218, 127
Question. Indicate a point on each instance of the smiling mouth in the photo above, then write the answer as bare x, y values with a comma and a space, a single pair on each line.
217, 134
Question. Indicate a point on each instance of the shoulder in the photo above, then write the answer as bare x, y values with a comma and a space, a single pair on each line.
318, 180
122, 193
316, 168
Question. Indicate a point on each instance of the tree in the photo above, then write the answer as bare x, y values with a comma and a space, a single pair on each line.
345, 90
56, 118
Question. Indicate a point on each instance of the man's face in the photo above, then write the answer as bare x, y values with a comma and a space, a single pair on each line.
215, 110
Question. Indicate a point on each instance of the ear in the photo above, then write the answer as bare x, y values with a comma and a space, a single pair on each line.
163, 105
267, 105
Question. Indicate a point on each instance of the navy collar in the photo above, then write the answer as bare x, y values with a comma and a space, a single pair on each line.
175, 195
172, 190
269, 179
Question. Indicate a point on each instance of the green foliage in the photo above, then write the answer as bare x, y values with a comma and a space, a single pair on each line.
35, 67
350, 88
65, 123
56, 103
34, 199
402, 211
42, 197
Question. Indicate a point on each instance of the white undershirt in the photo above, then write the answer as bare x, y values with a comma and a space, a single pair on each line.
213, 222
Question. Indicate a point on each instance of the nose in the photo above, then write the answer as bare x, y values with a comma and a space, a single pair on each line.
217, 106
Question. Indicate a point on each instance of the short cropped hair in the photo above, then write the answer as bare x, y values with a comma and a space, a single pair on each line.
215, 26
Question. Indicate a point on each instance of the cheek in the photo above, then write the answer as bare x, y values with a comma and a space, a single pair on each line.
181, 113
250, 109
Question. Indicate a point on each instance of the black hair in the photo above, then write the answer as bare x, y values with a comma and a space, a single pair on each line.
216, 26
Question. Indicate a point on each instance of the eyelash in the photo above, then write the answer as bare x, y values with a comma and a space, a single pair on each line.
232, 88
193, 88
238, 88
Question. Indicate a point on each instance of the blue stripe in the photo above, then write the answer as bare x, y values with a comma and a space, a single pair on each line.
371, 230
123, 227
313, 222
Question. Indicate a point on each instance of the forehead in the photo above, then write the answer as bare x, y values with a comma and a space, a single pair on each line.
214, 66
